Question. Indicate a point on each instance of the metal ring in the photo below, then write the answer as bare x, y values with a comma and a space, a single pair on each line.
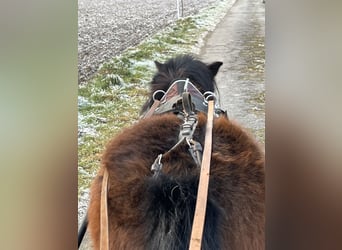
207, 95
156, 92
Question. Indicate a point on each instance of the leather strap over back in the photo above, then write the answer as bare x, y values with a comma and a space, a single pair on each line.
152, 109
104, 239
202, 194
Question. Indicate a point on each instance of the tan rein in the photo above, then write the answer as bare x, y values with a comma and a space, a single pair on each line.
203, 185
202, 194
104, 239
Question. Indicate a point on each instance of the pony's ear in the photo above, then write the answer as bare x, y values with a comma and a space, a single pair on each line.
214, 67
159, 65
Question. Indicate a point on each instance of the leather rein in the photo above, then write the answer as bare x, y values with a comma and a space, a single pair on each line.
190, 102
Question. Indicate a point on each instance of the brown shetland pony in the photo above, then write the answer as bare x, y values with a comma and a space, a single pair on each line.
156, 213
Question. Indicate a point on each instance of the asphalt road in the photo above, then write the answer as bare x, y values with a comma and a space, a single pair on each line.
238, 41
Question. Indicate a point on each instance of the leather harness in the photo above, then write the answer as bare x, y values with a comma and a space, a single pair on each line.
185, 100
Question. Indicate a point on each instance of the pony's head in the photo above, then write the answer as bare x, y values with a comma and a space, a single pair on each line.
180, 68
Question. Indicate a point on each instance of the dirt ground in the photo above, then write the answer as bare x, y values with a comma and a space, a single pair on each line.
108, 27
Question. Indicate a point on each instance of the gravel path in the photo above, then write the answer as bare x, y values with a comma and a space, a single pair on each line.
106, 28
238, 41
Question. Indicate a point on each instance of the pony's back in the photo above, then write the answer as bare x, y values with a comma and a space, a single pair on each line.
155, 211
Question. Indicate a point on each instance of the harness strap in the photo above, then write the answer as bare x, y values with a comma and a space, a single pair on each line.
82, 230
202, 193
195, 149
104, 240
152, 109
187, 104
